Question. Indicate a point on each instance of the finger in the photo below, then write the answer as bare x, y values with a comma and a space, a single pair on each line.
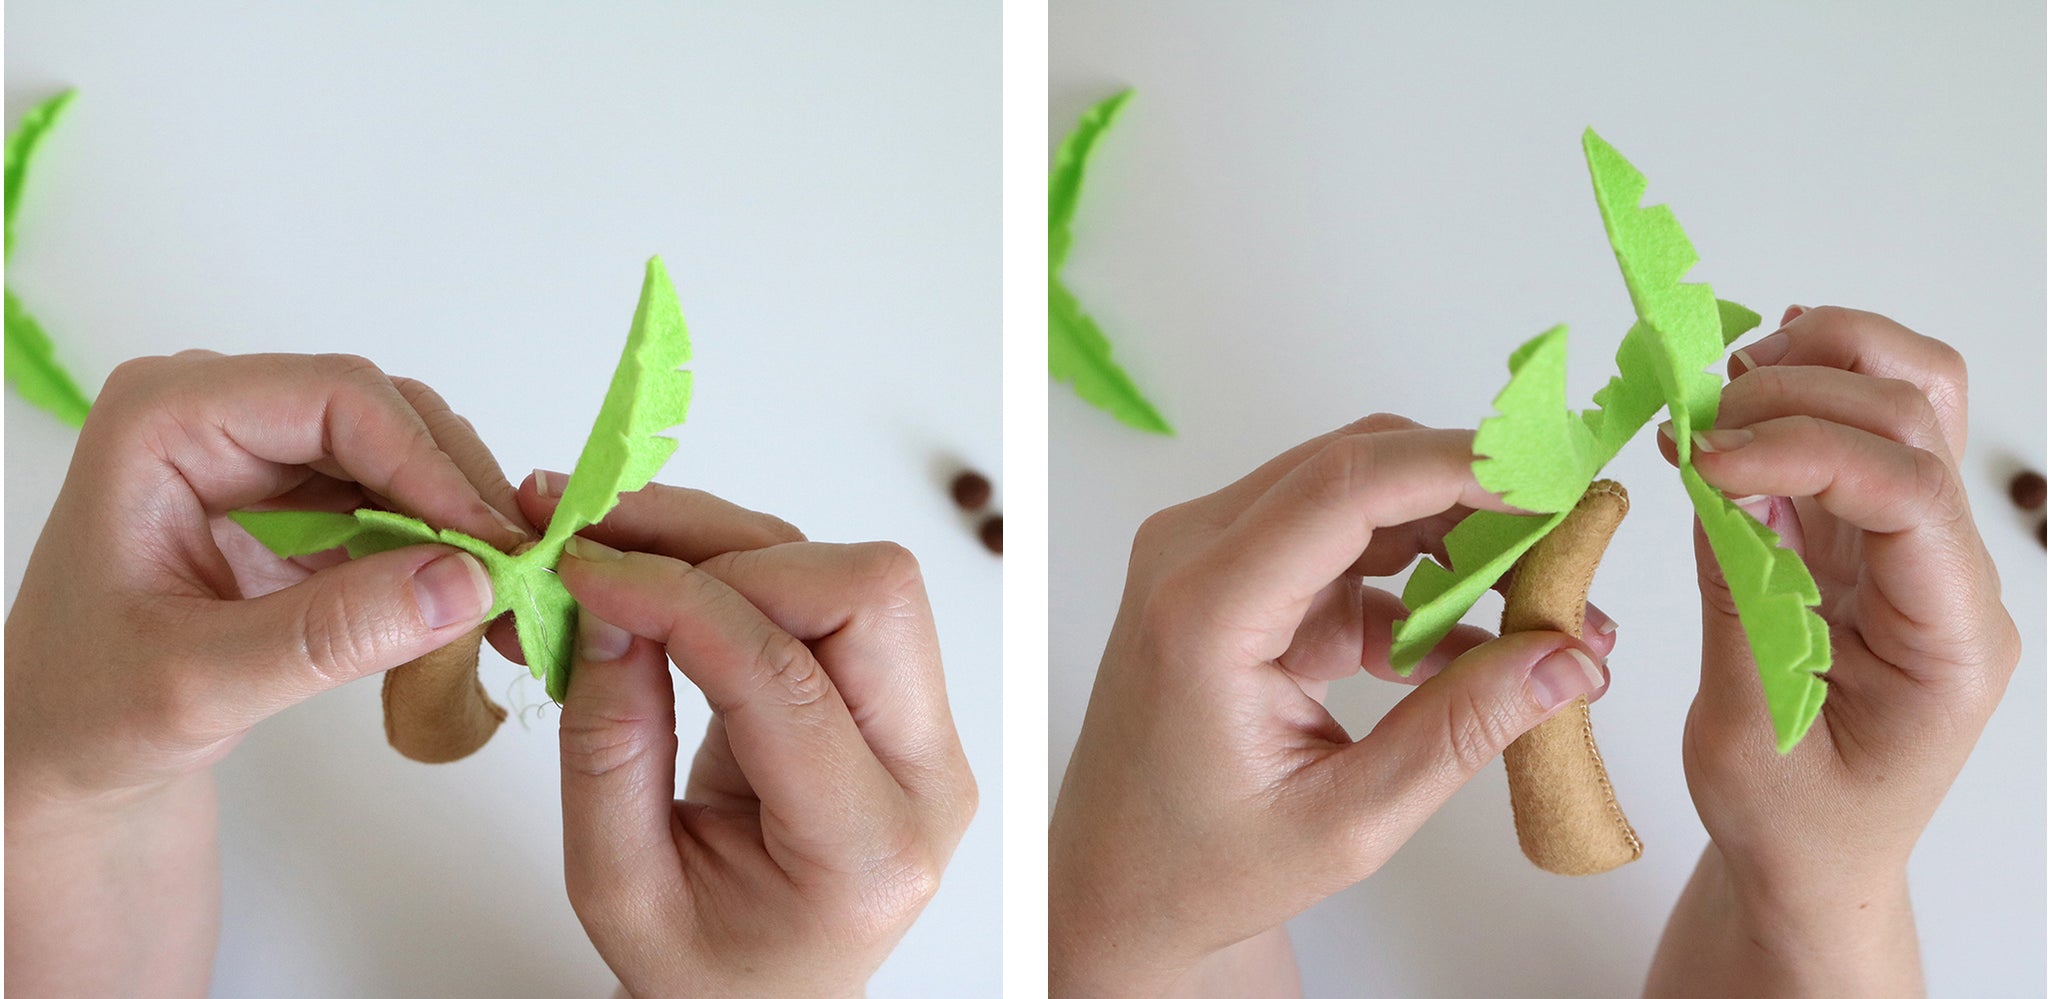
1907, 501
1226, 504
458, 439
687, 524
240, 430
618, 740
1869, 344
822, 791
1437, 737
1349, 626
1887, 407
1317, 521
1597, 635
339, 624
863, 611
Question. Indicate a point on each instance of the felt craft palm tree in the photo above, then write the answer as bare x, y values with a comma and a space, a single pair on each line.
1543, 457
439, 693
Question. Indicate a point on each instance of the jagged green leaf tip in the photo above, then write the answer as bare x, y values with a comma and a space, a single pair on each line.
1078, 351
625, 450
1540, 456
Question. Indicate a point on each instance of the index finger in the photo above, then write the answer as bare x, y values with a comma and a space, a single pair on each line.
1318, 520
242, 429
1871, 344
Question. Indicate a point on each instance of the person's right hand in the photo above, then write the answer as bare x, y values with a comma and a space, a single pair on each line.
1210, 796
1846, 429
830, 789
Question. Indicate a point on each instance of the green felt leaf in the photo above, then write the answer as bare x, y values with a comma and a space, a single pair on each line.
1540, 457
1070, 165
1536, 454
1684, 319
1482, 548
647, 395
291, 533
21, 150
1775, 597
1077, 350
1735, 320
32, 365
1682, 329
33, 369
1080, 353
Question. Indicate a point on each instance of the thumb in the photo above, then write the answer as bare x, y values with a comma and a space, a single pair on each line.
342, 623
1436, 738
618, 736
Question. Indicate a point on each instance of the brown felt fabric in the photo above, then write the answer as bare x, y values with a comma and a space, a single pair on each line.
435, 708
1565, 813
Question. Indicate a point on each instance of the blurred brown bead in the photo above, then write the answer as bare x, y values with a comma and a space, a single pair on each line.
2041, 533
971, 490
992, 534
2029, 490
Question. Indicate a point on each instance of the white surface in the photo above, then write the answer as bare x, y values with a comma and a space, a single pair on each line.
1313, 213
469, 199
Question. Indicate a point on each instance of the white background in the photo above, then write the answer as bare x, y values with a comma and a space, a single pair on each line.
469, 199
1312, 212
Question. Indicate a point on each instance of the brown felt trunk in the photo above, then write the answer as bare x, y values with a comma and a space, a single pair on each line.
435, 708
1565, 813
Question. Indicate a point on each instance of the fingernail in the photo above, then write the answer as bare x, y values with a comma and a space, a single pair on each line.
1759, 507
1717, 441
1602, 624
1769, 350
1562, 676
452, 589
1792, 312
598, 640
1742, 357
544, 486
1664, 431
506, 522
591, 551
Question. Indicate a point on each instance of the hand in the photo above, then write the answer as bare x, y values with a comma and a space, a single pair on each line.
1848, 429
1210, 796
150, 633
830, 789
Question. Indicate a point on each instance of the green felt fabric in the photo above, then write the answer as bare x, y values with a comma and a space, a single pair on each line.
624, 452
32, 365
1077, 350
1539, 456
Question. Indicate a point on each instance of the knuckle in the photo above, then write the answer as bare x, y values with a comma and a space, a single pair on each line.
1476, 730
334, 637
1911, 412
890, 567
790, 671
1330, 473
1936, 488
1159, 530
1948, 363
347, 367
783, 531
1378, 423
596, 743
133, 380
901, 886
